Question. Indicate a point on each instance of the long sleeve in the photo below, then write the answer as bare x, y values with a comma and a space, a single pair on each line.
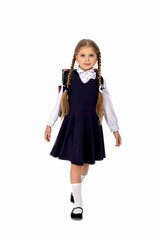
108, 110
56, 109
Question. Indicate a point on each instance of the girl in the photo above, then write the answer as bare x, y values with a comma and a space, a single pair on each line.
83, 104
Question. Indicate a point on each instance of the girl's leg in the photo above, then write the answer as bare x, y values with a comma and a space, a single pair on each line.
85, 169
75, 178
84, 172
75, 173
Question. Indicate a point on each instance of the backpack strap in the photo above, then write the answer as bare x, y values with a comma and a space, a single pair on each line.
65, 73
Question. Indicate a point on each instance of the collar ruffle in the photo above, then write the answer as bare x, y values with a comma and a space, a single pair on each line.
86, 75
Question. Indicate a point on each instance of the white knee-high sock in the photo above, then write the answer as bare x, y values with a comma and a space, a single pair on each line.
76, 190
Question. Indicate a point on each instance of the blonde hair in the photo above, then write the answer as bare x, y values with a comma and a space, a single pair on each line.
64, 101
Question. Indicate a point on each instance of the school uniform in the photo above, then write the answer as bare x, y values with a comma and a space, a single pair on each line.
80, 139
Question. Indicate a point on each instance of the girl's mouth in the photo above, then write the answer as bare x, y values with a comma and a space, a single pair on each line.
87, 64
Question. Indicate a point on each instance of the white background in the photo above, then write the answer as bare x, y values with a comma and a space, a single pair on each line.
121, 193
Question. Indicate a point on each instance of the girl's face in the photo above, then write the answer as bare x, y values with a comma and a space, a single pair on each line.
86, 58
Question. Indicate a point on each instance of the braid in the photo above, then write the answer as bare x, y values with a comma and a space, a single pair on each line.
70, 72
99, 105
99, 68
64, 101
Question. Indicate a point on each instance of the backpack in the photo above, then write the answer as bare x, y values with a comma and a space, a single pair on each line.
64, 82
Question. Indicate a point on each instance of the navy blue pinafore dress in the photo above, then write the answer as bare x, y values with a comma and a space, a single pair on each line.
80, 138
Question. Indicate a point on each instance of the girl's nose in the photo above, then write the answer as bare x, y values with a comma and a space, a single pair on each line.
87, 59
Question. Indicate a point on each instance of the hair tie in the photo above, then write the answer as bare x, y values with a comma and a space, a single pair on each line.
65, 88
101, 88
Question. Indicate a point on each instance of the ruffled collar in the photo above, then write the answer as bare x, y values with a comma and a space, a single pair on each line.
89, 74
80, 70
86, 75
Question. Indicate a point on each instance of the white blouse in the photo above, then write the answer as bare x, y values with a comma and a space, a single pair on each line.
108, 111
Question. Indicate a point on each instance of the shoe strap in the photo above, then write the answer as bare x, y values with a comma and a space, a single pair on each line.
78, 207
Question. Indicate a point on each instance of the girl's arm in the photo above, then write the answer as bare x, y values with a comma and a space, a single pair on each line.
108, 110
56, 109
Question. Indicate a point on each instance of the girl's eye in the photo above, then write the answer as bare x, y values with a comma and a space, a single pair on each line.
82, 55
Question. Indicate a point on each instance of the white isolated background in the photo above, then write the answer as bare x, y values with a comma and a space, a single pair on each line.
121, 193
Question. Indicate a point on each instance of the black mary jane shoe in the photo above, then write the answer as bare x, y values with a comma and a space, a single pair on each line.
77, 216
72, 198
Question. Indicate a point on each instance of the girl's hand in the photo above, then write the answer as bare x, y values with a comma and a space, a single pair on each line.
47, 134
118, 138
